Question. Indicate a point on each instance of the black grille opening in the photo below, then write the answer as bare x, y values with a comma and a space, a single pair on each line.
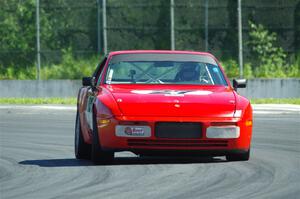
177, 143
178, 130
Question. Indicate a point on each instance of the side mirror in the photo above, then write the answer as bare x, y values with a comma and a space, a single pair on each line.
88, 81
239, 83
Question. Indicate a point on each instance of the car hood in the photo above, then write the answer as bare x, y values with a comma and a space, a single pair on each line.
174, 101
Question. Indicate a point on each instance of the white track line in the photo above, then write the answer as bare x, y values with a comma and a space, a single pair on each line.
277, 107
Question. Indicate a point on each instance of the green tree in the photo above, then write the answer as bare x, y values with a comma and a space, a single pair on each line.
17, 41
270, 59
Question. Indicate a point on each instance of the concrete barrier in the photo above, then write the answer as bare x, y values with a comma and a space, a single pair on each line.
256, 88
272, 88
42, 88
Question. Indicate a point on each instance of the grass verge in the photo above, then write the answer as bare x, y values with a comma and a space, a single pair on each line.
69, 101
276, 101
72, 101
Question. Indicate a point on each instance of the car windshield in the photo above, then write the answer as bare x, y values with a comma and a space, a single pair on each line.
168, 69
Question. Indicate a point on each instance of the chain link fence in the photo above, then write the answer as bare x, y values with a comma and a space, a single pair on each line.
78, 26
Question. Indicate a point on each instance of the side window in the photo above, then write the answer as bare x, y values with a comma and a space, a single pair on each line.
98, 70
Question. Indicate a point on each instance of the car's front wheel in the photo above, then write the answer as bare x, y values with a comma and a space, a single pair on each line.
82, 149
98, 155
239, 156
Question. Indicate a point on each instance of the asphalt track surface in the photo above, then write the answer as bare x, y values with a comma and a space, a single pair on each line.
37, 161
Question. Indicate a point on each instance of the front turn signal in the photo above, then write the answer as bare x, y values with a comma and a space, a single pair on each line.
103, 121
248, 123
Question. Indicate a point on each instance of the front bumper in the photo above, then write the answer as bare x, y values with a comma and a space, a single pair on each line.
152, 144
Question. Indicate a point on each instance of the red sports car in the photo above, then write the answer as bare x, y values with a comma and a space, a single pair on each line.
154, 102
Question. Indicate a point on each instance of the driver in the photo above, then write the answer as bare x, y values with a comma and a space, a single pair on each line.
188, 72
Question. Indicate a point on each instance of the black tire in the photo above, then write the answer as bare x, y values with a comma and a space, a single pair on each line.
239, 157
82, 150
99, 156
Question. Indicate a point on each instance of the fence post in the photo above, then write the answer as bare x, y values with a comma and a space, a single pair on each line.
38, 47
172, 24
206, 25
104, 27
98, 27
240, 38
